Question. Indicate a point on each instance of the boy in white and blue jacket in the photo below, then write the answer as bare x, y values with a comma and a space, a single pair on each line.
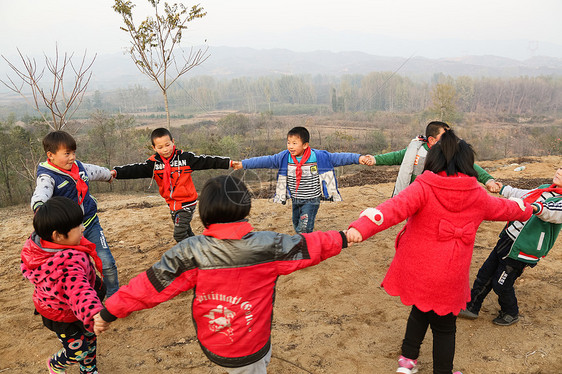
521, 244
305, 175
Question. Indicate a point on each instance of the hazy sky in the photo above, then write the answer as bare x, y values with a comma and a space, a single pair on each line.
431, 28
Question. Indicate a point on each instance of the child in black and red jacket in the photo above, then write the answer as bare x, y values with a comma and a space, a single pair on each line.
57, 260
233, 270
171, 168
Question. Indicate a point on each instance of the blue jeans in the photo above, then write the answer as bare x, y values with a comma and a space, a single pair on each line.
497, 274
304, 214
94, 233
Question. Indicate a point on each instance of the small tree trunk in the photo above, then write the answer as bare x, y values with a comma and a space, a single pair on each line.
165, 94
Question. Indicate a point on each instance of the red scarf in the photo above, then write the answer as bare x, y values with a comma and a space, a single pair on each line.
533, 195
74, 173
299, 165
167, 177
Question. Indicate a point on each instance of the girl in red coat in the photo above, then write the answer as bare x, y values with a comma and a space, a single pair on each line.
430, 270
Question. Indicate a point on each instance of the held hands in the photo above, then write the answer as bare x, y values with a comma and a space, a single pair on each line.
494, 186
368, 160
113, 175
236, 165
99, 324
353, 235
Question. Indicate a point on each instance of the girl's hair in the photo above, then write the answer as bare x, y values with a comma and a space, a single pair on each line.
452, 155
224, 199
58, 214
56, 139
160, 132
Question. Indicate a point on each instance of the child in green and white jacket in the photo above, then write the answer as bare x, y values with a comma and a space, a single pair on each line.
521, 244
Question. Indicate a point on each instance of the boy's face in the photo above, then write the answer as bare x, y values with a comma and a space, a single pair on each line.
63, 158
72, 238
557, 180
431, 140
295, 145
164, 146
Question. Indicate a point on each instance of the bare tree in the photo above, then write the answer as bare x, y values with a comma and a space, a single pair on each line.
61, 103
154, 40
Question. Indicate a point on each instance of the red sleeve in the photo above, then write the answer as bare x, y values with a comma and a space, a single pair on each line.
140, 293
316, 247
501, 209
393, 211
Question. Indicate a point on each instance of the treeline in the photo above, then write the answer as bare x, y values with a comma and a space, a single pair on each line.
321, 94
109, 140
378, 91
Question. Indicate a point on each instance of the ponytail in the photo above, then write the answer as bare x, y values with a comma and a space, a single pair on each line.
452, 155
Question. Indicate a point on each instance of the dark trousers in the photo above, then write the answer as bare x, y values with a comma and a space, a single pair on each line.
497, 274
443, 328
80, 348
182, 223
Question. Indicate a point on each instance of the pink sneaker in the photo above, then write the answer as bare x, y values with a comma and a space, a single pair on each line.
407, 365
53, 370
457, 372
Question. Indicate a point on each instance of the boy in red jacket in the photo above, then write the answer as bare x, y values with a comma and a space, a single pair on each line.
171, 168
233, 271
67, 294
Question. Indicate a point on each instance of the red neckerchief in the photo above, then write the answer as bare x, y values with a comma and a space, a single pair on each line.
39, 255
74, 173
167, 177
299, 165
231, 230
533, 195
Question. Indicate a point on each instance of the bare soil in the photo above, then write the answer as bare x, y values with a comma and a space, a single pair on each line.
332, 318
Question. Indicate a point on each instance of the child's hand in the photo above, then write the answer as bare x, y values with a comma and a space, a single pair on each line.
367, 160
99, 324
113, 175
236, 165
494, 186
354, 236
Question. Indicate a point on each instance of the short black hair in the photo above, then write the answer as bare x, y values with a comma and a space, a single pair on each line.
224, 199
301, 132
452, 155
56, 139
433, 128
59, 214
160, 132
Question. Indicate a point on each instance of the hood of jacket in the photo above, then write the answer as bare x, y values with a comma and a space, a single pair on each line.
454, 193
36, 251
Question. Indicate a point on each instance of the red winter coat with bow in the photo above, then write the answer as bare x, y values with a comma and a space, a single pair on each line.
431, 265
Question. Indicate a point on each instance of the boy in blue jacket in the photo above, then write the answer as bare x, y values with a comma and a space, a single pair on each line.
521, 244
305, 175
63, 175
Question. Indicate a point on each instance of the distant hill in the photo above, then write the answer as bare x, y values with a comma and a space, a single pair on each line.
116, 70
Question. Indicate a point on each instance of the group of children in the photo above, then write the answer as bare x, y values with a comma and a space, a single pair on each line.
233, 269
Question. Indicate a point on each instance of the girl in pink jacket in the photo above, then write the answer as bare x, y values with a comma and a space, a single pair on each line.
430, 270
67, 293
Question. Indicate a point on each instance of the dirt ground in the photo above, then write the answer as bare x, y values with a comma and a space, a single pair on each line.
332, 318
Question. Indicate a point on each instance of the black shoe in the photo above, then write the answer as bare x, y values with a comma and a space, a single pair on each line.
504, 319
468, 314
